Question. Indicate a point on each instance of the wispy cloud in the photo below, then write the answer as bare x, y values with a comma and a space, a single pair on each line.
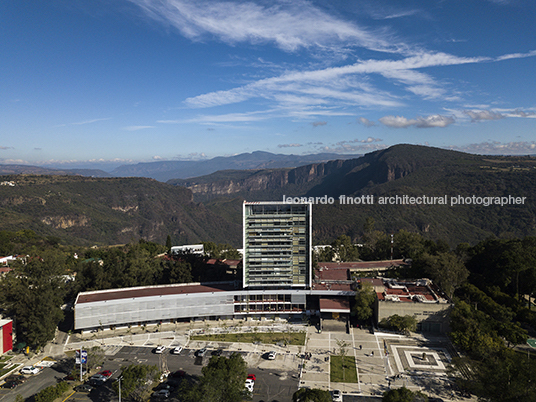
499, 148
289, 145
343, 86
319, 123
347, 147
81, 123
290, 25
223, 118
90, 121
136, 128
5, 148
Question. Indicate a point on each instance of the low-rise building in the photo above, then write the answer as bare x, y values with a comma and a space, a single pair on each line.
6, 336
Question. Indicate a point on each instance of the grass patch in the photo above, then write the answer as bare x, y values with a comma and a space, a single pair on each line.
338, 373
5, 358
293, 338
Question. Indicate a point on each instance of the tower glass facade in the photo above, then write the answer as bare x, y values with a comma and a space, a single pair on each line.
277, 244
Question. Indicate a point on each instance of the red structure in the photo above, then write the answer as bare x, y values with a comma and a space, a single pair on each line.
6, 336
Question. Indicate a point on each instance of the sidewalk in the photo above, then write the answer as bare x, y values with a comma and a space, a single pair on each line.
376, 370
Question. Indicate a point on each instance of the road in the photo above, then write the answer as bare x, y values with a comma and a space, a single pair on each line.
271, 384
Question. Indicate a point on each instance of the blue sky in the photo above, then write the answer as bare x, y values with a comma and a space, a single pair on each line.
145, 80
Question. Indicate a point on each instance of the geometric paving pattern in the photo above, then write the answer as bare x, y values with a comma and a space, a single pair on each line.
418, 358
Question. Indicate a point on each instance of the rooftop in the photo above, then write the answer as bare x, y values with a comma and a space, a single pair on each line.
147, 291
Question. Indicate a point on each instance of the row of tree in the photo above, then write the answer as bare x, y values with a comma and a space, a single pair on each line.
47, 275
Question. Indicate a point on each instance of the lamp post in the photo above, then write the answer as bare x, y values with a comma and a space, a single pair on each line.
119, 379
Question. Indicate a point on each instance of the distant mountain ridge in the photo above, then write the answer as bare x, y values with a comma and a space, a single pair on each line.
95, 210
399, 170
29, 169
168, 170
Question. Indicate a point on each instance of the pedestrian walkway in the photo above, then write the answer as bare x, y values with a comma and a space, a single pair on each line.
383, 360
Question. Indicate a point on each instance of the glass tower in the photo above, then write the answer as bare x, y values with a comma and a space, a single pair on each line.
277, 244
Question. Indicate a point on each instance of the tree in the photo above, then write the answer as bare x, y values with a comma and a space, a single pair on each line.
168, 243
342, 354
311, 395
33, 293
222, 381
344, 249
364, 301
446, 269
403, 395
399, 323
137, 380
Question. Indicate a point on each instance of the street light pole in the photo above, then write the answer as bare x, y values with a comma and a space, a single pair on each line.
119, 379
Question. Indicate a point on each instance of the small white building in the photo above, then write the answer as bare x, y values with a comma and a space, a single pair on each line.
198, 249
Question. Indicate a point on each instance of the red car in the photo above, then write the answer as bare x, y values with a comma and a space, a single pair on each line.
252, 377
178, 374
106, 373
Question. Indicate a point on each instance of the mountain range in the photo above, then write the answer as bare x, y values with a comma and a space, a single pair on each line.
168, 170
91, 210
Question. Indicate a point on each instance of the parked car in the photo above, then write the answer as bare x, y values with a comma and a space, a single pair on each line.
106, 373
163, 393
160, 349
16, 377
12, 384
177, 374
70, 377
29, 370
217, 352
249, 386
336, 395
201, 352
176, 350
98, 377
271, 355
83, 388
252, 377
163, 385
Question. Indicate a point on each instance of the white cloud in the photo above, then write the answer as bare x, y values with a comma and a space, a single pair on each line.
342, 86
345, 147
366, 122
289, 145
499, 148
290, 25
431, 121
397, 121
222, 118
434, 121
136, 128
368, 140
479, 115
90, 121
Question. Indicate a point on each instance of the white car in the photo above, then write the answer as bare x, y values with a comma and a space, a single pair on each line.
160, 349
249, 386
176, 350
337, 395
271, 355
163, 393
29, 370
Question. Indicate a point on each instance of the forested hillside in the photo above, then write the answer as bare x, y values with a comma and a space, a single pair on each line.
404, 170
87, 210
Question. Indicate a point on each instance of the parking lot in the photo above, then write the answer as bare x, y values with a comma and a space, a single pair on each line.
382, 361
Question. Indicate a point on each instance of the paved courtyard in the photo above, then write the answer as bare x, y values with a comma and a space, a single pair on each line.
382, 360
